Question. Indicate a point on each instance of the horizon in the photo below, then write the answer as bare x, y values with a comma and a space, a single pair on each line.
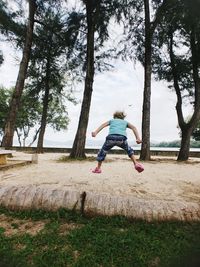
89, 142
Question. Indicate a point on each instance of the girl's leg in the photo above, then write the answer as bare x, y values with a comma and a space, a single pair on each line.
138, 166
132, 157
98, 168
102, 154
99, 164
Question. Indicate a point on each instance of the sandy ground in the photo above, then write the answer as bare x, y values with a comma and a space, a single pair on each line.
163, 178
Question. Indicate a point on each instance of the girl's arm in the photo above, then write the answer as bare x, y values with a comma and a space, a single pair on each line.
105, 124
135, 131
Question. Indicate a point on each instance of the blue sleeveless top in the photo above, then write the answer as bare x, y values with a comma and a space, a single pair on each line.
118, 126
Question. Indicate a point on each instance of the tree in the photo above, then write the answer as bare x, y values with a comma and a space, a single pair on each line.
29, 113
15, 102
141, 21
48, 68
150, 27
145, 149
181, 35
79, 142
28, 116
98, 14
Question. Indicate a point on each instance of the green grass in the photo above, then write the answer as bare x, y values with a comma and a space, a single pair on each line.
99, 241
68, 159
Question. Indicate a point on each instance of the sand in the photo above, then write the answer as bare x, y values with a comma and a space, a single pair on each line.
163, 178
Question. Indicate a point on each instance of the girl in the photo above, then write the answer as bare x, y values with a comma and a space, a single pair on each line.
117, 137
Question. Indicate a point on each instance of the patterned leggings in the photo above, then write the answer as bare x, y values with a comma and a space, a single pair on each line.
111, 141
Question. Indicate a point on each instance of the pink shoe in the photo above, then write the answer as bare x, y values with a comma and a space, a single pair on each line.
139, 167
96, 170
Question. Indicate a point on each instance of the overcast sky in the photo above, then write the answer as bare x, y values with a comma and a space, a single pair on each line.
118, 89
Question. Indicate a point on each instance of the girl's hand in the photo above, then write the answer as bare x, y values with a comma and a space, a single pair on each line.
138, 141
94, 134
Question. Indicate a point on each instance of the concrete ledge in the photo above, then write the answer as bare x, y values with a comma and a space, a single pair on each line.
154, 152
34, 197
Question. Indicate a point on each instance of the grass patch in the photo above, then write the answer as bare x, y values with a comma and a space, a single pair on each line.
68, 239
89, 158
68, 159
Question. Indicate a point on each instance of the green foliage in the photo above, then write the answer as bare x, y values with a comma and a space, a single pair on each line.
196, 133
48, 53
58, 115
179, 21
175, 143
100, 241
9, 22
48, 71
28, 115
103, 12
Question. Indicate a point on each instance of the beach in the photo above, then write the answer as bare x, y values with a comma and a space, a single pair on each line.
163, 178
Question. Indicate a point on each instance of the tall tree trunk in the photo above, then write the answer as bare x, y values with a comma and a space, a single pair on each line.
43, 122
78, 148
145, 149
9, 130
19, 138
185, 144
149, 31
34, 137
44, 111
